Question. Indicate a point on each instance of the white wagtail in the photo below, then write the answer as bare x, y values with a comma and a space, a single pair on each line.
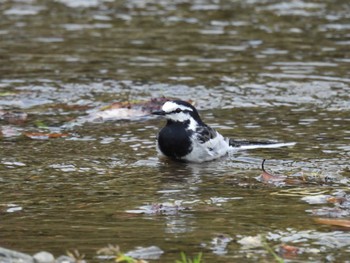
186, 137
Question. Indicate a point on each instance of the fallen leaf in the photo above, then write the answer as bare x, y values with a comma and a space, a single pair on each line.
266, 177
288, 251
336, 200
44, 136
118, 105
333, 222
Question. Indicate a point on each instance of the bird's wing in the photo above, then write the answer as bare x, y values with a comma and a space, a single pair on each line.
207, 145
205, 133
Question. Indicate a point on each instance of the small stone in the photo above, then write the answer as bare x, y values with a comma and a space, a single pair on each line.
44, 257
65, 259
250, 242
151, 252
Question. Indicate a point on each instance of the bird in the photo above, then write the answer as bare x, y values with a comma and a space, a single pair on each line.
185, 137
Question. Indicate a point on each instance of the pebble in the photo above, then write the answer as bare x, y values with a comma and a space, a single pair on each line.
65, 259
44, 257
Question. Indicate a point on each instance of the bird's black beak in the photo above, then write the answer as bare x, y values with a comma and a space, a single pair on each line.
160, 112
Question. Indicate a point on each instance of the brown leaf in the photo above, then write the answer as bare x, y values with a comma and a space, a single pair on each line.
44, 136
288, 251
270, 178
119, 105
336, 200
333, 222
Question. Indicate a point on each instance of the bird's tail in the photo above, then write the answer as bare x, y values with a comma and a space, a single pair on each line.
242, 144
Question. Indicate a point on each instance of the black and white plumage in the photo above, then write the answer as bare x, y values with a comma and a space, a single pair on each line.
186, 137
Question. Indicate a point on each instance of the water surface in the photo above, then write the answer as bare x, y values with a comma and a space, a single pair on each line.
257, 70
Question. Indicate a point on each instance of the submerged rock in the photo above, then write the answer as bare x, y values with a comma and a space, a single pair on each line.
11, 256
151, 252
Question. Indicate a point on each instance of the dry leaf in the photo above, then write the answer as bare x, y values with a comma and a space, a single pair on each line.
288, 250
44, 136
270, 178
336, 200
333, 222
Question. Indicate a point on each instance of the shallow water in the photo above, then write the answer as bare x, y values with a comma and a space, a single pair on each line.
257, 70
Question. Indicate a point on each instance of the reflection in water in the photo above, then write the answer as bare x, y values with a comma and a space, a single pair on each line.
257, 70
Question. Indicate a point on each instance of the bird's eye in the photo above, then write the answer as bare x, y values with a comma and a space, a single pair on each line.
178, 110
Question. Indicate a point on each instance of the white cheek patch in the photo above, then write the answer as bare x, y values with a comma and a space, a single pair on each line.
193, 125
179, 116
170, 106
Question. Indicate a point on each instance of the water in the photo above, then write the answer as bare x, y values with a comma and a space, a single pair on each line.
257, 70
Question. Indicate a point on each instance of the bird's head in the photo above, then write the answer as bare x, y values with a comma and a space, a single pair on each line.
178, 111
